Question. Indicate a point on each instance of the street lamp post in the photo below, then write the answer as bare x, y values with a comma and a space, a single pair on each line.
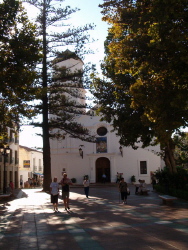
4, 151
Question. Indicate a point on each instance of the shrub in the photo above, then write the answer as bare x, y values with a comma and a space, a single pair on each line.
177, 180
175, 184
73, 180
133, 178
179, 193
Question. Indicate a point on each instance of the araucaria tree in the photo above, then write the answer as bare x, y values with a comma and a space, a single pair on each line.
57, 35
146, 69
20, 52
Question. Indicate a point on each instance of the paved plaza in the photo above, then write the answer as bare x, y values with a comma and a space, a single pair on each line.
100, 222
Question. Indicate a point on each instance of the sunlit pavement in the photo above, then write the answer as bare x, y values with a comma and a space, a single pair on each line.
100, 222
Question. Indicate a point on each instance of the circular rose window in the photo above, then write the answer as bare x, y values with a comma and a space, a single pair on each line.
101, 131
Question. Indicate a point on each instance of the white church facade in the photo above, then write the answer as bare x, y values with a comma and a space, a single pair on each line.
79, 158
104, 156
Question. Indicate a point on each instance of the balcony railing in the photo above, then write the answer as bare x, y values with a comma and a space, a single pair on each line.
12, 160
35, 168
11, 140
16, 140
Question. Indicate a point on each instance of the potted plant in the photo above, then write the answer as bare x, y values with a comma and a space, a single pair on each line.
133, 179
73, 180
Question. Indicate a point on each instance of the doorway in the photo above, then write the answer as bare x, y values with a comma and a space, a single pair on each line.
103, 167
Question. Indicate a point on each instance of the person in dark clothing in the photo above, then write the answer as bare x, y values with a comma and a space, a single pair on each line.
123, 190
65, 182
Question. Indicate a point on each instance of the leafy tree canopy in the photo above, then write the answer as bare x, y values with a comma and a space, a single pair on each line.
19, 54
181, 149
146, 67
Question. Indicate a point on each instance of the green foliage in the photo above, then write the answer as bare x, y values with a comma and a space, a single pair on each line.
59, 100
177, 180
144, 90
73, 180
181, 149
133, 178
179, 193
19, 54
173, 184
62, 86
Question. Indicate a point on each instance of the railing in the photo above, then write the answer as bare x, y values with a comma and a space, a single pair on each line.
16, 140
11, 160
11, 140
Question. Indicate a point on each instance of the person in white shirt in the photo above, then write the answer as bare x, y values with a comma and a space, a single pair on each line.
54, 190
86, 186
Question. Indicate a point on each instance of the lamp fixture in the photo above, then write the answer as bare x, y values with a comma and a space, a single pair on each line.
81, 151
121, 150
5, 150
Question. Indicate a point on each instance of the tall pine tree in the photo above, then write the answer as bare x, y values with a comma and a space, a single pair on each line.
56, 36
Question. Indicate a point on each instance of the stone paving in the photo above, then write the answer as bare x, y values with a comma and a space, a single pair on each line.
100, 222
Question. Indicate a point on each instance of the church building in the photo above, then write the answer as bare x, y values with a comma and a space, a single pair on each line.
106, 156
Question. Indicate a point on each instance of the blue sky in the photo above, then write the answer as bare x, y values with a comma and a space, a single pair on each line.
89, 13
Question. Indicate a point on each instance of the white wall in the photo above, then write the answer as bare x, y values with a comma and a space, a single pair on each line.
65, 155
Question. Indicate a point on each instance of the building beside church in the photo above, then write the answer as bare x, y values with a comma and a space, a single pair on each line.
30, 164
79, 158
9, 162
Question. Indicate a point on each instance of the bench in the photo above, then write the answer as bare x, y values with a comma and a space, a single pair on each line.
144, 191
167, 199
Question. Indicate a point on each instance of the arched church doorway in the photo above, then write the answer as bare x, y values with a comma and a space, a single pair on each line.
102, 167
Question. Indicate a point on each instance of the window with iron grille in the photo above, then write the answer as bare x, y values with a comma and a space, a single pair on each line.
143, 167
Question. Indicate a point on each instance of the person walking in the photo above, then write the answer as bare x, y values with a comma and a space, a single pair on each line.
11, 186
86, 186
123, 190
65, 182
104, 178
54, 190
21, 183
153, 181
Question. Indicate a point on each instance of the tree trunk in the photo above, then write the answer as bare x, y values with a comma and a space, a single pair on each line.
46, 155
45, 125
169, 156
